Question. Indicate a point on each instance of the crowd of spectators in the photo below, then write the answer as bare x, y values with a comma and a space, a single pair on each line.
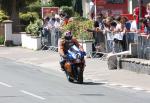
116, 30
110, 33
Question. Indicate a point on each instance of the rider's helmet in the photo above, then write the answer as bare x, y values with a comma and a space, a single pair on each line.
68, 35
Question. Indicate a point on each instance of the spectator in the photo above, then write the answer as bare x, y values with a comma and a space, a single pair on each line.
98, 37
133, 25
146, 23
118, 35
148, 10
100, 18
137, 12
46, 27
109, 27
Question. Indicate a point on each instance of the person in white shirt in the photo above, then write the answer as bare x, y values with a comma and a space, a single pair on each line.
134, 25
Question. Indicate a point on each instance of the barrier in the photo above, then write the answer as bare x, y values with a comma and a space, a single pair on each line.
143, 47
141, 41
50, 38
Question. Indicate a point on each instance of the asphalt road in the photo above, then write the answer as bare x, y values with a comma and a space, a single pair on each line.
24, 83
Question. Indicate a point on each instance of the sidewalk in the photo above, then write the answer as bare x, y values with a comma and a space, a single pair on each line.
96, 70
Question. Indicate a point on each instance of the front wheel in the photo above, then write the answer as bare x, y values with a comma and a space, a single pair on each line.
68, 77
80, 77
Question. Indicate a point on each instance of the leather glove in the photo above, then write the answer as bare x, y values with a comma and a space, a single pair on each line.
83, 53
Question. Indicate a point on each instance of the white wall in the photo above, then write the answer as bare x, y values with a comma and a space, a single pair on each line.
16, 38
30, 42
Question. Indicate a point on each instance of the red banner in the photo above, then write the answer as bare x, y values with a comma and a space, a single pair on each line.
47, 11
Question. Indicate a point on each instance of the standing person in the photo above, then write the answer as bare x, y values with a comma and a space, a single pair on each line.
99, 38
46, 27
148, 10
118, 35
133, 27
109, 27
137, 12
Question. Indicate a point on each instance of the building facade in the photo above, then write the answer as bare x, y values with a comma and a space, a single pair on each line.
116, 6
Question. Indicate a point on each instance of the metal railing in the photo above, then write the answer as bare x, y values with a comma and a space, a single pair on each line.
49, 39
142, 42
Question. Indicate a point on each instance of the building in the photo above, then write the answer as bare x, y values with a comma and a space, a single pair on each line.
115, 6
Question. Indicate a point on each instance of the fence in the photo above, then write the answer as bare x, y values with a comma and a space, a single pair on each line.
143, 44
50, 39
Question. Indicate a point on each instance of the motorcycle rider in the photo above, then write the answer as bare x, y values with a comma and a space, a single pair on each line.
64, 44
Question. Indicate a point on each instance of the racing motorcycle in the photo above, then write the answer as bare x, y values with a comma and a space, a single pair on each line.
74, 65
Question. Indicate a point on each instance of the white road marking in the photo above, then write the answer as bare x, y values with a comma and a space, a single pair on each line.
137, 88
112, 84
31, 94
148, 91
125, 86
4, 84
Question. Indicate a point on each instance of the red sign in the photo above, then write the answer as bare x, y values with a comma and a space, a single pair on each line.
47, 11
103, 6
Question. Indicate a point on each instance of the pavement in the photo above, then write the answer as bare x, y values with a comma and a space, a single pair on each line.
96, 70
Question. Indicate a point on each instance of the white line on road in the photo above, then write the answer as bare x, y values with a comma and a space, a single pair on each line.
4, 84
31, 94
137, 88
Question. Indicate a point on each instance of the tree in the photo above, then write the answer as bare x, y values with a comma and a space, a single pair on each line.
11, 7
60, 3
77, 5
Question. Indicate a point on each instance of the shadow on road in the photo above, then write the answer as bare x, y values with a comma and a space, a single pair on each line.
89, 83
92, 83
92, 95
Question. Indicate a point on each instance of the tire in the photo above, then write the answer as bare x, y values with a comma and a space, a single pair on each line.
80, 77
68, 77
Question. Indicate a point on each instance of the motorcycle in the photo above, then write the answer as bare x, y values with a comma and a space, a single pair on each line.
74, 64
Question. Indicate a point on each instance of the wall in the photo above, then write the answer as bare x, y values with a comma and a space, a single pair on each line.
16, 38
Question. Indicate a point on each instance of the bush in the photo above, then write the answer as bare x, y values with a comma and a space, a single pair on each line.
3, 16
78, 27
2, 40
25, 18
33, 28
34, 7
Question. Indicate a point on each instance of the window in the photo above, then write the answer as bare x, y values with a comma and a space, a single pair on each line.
115, 1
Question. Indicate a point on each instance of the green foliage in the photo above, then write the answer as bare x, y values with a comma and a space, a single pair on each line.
67, 10
49, 4
34, 7
59, 3
27, 16
2, 40
33, 28
78, 27
3, 16
83, 34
